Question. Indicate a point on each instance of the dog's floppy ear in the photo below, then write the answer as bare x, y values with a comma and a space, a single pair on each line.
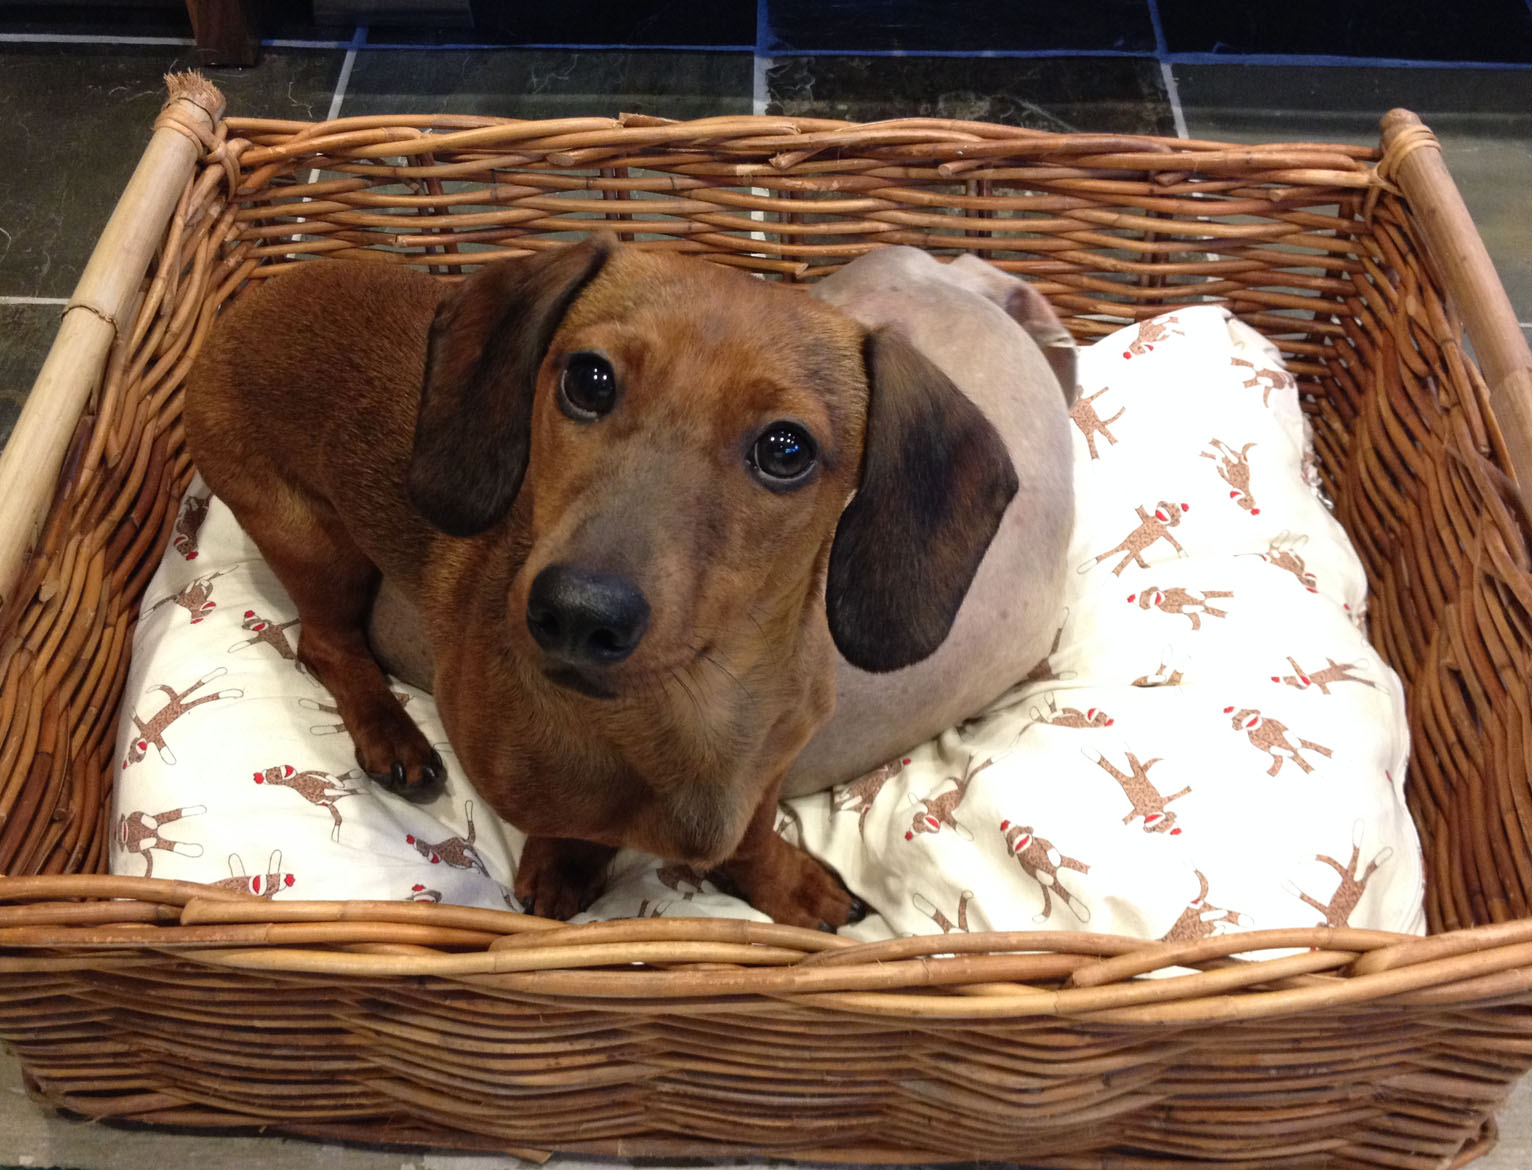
936, 479
487, 341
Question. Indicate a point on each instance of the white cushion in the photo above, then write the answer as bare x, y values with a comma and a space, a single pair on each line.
1215, 745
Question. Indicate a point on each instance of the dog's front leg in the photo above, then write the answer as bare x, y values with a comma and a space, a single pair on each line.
781, 880
560, 876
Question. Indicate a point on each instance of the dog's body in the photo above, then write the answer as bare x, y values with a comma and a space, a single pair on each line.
964, 316
575, 468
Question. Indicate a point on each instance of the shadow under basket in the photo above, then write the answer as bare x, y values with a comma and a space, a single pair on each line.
175, 1004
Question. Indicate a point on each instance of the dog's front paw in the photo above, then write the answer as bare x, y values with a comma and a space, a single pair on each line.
793, 888
395, 753
558, 876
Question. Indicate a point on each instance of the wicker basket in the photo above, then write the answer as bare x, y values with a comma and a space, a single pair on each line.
163, 1002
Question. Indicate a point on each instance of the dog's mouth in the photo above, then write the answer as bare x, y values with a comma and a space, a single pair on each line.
613, 683
573, 679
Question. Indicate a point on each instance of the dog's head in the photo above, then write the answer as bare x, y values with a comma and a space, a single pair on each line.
678, 442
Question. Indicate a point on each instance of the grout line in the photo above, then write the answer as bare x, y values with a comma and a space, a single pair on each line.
301, 43
1188, 58
762, 62
760, 95
760, 92
1323, 60
88, 39
551, 46
1293, 59
34, 300
358, 40
1167, 71
1173, 93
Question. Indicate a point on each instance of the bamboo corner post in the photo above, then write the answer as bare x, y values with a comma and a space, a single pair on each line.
98, 310
1413, 157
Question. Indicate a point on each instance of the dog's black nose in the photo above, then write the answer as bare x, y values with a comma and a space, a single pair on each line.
586, 618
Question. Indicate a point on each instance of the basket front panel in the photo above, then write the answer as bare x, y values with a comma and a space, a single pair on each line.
440, 1063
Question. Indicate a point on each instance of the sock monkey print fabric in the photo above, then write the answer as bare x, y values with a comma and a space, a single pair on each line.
1212, 746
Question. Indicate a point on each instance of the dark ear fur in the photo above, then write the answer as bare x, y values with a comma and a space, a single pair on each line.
936, 479
486, 344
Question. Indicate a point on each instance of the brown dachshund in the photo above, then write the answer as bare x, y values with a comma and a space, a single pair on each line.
614, 484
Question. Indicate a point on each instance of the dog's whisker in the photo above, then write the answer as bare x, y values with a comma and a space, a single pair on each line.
678, 675
704, 656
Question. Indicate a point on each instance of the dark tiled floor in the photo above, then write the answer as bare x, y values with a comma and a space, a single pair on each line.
26, 331
1447, 30
620, 22
78, 118
545, 83
1119, 94
847, 26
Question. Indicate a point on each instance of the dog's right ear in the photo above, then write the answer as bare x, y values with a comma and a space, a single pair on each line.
487, 342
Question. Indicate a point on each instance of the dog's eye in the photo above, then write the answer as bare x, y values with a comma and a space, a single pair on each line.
587, 387
783, 455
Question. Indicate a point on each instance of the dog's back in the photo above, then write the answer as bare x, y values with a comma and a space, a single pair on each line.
953, 314
259, 365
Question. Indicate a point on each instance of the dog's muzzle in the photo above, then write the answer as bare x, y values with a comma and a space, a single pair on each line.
584, 619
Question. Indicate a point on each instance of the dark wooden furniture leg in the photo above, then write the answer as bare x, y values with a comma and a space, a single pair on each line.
223, 31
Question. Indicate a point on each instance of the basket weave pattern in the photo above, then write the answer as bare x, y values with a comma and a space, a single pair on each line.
479, 1029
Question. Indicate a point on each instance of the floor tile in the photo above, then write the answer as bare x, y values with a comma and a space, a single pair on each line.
539, 83
1060, 93
1357, 94
1515, 1149
1488, 153
157, 18
1427, 30
618, 22
852, 26
77, 120
163, 18
28, 332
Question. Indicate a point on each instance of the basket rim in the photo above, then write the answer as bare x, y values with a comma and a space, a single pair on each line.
688, 961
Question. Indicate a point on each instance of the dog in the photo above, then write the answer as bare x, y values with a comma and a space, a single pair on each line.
613, 484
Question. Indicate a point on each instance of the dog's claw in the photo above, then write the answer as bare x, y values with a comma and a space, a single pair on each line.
858, 910
432, 776
827, 928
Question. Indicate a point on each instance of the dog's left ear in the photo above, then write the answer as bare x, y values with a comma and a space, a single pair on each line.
936, 479
487, 342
